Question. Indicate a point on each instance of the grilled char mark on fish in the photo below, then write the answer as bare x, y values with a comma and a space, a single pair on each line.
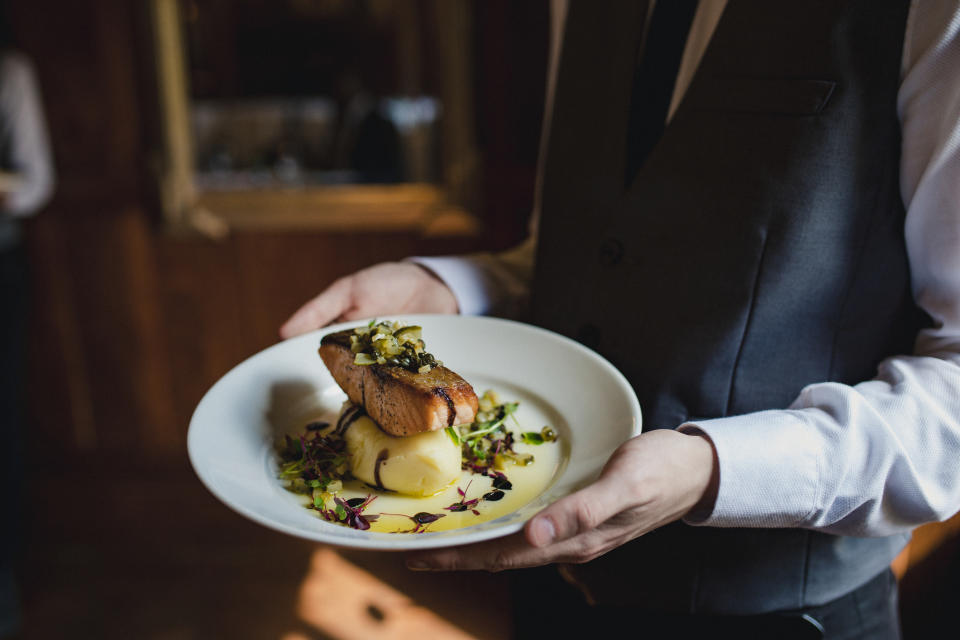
400, 401
452, 413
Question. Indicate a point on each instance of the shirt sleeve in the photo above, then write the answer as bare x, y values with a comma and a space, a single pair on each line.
879, 457
25, 135
487, 283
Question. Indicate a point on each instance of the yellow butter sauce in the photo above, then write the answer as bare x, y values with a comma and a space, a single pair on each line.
528, 482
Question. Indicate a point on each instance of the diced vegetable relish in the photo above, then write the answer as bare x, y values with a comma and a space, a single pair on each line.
392, 343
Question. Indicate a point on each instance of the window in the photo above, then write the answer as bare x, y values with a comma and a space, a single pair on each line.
329, 114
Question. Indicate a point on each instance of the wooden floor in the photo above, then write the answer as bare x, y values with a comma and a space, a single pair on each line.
121, 552
117, 550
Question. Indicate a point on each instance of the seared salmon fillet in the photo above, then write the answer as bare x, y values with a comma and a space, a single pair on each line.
400, 401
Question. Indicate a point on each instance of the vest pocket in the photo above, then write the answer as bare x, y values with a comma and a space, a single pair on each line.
763, 95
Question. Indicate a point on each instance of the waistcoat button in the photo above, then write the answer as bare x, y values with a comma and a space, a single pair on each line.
589, 336
611, 252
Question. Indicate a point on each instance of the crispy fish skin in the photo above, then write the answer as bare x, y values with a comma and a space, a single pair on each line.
401, 402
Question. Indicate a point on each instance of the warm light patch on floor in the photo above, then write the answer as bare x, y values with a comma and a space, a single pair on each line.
925, 541
347, 603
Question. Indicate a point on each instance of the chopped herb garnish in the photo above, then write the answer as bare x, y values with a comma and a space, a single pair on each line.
532, 437
471, 505
464, 504
479, 429
426, 518
350, 514
454, 435
313, 460
487, 445
420, 520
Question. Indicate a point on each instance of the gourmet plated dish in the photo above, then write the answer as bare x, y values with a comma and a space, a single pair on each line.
413, 448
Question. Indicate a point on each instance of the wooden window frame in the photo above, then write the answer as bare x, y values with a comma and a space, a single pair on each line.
431, 209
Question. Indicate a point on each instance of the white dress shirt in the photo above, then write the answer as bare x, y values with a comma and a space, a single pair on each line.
24, 135
876, 458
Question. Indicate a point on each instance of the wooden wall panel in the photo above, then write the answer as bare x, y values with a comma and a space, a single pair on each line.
203, 320
84, 53
77, 278
282, 271
58, 375
134, 325
152, 372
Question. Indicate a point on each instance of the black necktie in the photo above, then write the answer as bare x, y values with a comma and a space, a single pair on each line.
655, 78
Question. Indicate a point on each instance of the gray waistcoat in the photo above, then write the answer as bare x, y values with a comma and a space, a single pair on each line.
759, 249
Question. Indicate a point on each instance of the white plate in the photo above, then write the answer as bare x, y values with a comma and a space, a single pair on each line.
232, 431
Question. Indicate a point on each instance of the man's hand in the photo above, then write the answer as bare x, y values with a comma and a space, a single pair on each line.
650, 480
389, 287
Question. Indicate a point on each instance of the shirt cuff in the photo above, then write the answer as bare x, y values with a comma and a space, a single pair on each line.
467, 279
769, 469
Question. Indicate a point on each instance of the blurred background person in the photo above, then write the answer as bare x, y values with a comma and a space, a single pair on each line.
26, 184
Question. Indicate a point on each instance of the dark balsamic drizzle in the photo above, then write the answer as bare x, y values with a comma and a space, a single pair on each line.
452, 413
347, 418
381, 457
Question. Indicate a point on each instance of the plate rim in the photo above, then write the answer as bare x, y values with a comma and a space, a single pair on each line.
421, 541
